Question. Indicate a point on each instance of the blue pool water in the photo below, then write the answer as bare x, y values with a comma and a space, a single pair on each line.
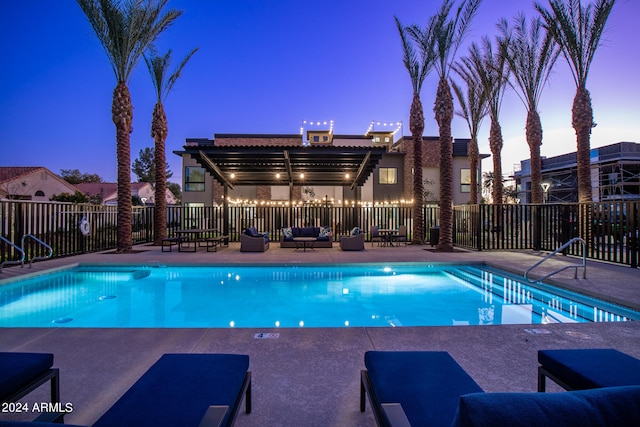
400, 294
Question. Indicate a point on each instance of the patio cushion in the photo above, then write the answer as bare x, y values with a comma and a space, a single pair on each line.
19, 369
325, 233
309, 231
251, 231
287, 233
355, 231
178, 389
619, 406
591, 368
426, 383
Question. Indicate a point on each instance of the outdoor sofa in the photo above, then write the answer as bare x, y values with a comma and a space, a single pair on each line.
412, 388
321, 234
253, 241
180, 390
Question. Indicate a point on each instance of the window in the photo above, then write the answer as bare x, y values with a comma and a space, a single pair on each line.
194, 179
465, 180
39, 193
376, 139
388, 176
387, 139
316, 138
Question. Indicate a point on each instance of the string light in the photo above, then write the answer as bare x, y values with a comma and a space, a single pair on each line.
385, 125
318, 124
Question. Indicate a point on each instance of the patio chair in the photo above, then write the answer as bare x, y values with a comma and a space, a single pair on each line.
180, 390
578, 369
23, 373
402, 235
415, 388
375, 235
252, 241
352, 243
426, 385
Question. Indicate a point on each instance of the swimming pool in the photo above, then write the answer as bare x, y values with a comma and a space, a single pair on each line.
348, 295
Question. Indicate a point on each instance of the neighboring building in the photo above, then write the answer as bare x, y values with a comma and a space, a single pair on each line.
108, 192
32, 183
383, 177
615, 175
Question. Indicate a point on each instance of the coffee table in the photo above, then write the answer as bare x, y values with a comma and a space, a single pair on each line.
304, 243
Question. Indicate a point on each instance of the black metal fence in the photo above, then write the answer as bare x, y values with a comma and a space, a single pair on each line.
610, 229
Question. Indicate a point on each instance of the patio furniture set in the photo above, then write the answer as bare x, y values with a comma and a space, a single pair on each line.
405, 388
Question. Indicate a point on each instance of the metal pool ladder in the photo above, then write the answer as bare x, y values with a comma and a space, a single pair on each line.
42, 243
583, 265
11, 262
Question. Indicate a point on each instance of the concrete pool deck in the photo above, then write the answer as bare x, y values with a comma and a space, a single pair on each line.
311, 376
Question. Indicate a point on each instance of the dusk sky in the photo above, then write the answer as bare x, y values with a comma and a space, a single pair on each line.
264, 67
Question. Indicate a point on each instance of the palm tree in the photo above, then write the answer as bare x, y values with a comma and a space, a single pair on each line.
492, 71
418, 66
531, 54
578, 30
473, 109
446, 34
125, 31
163, 83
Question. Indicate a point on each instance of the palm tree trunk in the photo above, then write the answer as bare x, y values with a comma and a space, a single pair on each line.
495, 143
159, 132
474, 159
534, 139
122, 115
582, 120
416, 125
444, 115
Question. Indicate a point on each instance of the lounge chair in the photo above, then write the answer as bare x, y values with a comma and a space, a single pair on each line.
21, 373
417, 388
182, 390
352, 243
579, 369
426, 385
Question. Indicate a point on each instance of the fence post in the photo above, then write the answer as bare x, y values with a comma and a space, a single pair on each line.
537, 228
479, 225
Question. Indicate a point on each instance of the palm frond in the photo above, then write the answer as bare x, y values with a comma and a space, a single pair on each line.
418, 66
127, 29
578, 30
531, 53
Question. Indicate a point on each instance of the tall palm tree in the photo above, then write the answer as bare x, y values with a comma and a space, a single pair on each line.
492, 71
531, 53
125, 30
418, 66
578, 29
473, 109
446, 34
162, 83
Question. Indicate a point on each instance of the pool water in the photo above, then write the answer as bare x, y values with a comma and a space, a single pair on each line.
349, 295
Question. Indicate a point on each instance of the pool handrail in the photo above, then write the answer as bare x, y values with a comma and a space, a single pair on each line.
11, 262
583, 265
42, 243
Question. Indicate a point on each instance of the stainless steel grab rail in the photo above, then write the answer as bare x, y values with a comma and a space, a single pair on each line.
42, 243
583, 265
11, 262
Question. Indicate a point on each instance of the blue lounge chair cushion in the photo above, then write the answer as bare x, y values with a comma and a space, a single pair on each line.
253, 232
591, 368
33, 424
19, 369
619, 406
426, 383
178, 389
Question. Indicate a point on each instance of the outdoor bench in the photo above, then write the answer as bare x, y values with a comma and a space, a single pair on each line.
214, 242
168, 242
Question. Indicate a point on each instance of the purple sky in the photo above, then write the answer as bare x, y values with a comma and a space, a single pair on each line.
263, 67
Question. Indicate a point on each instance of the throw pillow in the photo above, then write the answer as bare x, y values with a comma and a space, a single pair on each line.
355, 231
287, 232
325, 232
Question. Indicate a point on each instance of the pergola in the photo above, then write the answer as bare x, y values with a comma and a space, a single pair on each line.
292, 165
